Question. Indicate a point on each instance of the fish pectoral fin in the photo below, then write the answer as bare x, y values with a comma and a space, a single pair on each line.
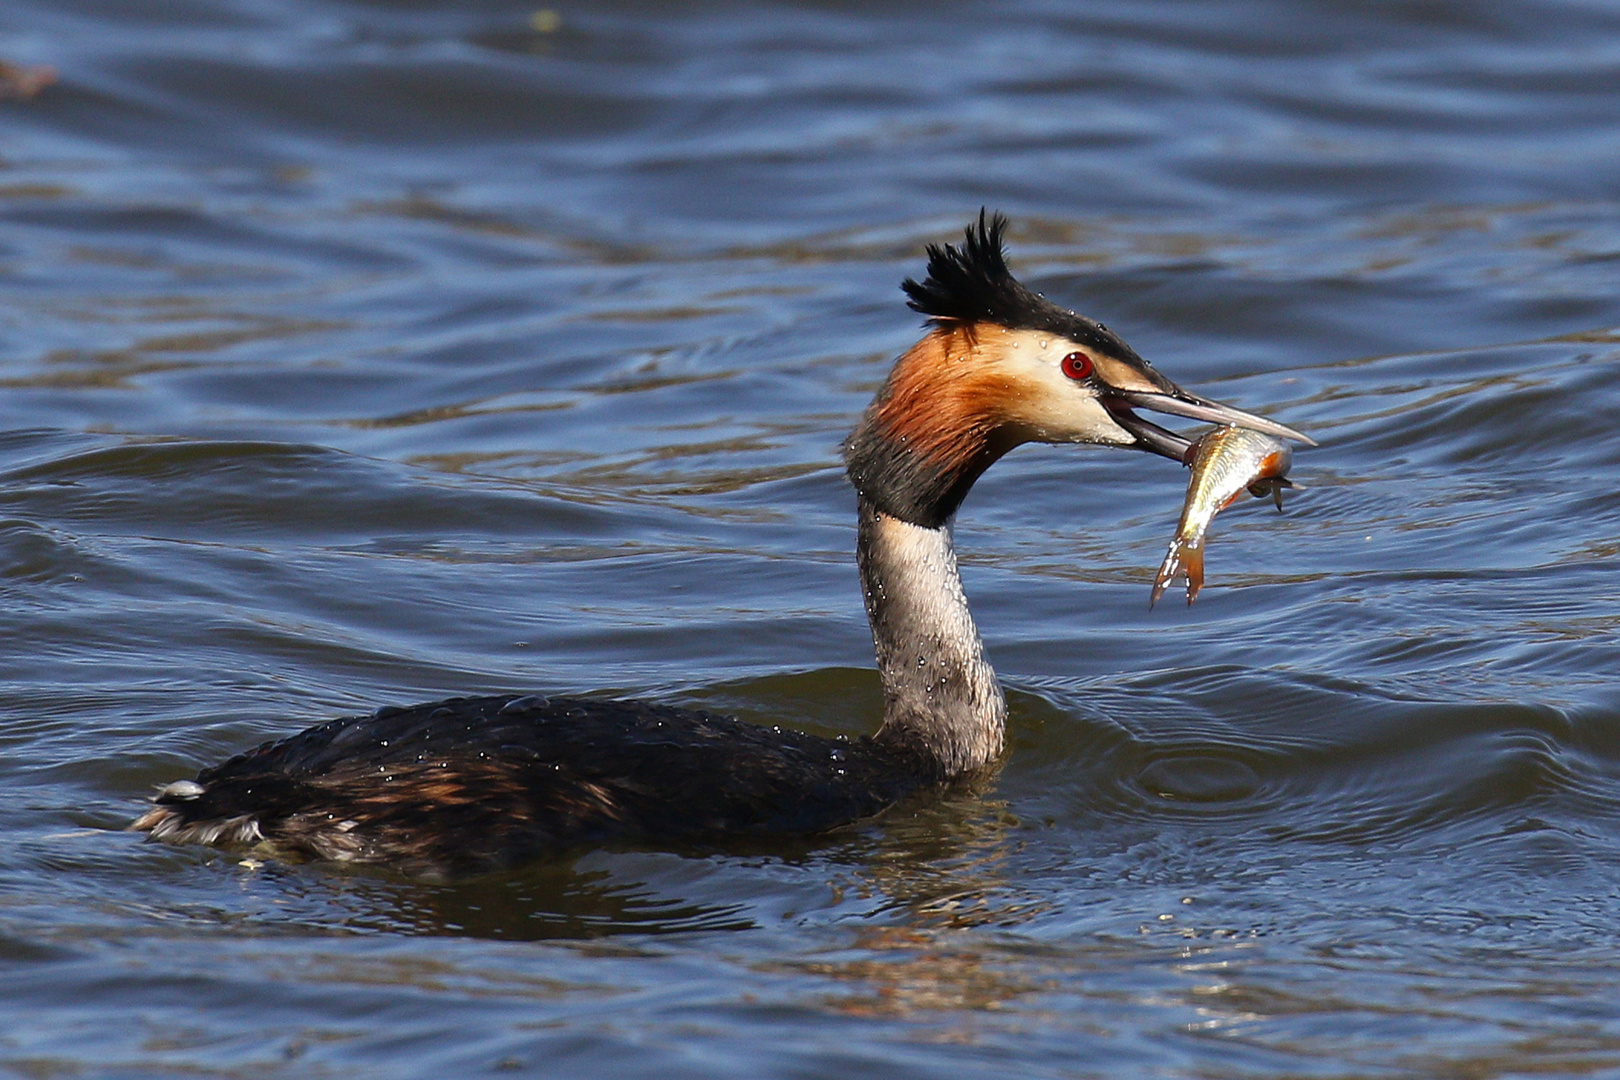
1273, 486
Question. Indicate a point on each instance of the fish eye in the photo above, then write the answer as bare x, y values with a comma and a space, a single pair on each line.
1077, 365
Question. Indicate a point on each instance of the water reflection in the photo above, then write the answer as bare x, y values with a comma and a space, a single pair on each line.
543, 903
906, 971
940, 865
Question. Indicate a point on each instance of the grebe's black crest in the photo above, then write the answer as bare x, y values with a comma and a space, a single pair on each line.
972, 284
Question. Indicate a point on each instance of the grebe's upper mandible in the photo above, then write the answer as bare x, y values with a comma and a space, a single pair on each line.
472, 784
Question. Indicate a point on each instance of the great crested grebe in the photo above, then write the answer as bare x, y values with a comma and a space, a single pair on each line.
473, 784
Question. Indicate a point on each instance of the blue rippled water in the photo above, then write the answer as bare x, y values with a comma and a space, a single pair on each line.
364, 352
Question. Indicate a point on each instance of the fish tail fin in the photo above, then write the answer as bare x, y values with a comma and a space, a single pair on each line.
1193, 557
1184, 559
1167, 572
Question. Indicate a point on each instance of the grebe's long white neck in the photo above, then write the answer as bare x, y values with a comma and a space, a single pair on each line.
940, 696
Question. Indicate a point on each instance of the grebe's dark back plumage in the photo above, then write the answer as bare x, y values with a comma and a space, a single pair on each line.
473, 784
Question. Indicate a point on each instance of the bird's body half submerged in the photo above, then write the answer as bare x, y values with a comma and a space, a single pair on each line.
473, 784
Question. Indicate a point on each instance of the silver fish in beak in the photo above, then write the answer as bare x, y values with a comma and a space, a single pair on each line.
1225, 462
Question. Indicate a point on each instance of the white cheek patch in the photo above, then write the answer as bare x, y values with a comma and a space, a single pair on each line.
1049, 405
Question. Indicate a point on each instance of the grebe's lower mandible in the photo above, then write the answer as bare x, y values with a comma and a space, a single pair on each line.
473, 784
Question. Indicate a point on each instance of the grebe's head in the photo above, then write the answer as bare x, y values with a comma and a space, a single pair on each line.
1002, 365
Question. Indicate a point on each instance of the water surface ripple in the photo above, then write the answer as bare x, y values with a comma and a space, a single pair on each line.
356, 352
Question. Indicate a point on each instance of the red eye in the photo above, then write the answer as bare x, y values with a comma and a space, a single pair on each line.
1077, 365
